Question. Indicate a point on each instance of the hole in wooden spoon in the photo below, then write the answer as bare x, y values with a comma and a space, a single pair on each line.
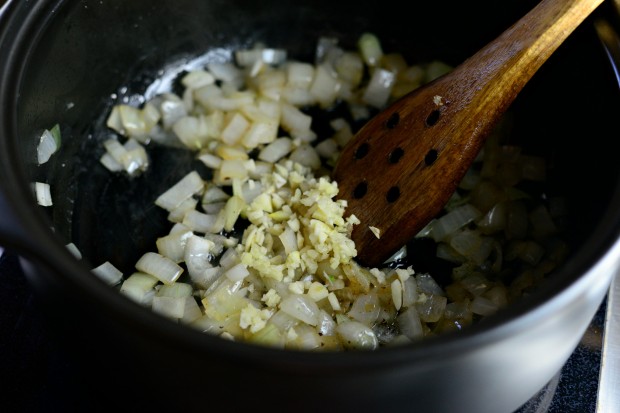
362, 151
393, 194
393, 121
395, 155
360, 190
430, 157
433, 117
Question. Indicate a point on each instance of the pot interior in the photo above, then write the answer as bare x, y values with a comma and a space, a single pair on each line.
91, 55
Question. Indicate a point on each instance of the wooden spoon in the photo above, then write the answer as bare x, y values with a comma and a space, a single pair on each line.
401, 168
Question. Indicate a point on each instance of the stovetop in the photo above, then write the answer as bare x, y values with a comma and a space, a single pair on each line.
35, 375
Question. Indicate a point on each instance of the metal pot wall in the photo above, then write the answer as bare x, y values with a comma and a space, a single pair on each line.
60, 61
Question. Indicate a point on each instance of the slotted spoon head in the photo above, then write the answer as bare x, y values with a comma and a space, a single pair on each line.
401, 168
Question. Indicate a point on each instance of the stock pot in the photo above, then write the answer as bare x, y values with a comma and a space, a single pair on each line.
67, 62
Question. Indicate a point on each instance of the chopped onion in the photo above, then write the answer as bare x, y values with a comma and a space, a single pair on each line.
432, 308
237, 272
173, 307
162, 268
365, 309
43, 194
301, 308
379, 89
325, 86
108, 273
454, 220
47, 146
370, 49
410, 324
198, 254
483, 306
357, 335
139, 287
276, 150
188, 186
266, 243
73, 249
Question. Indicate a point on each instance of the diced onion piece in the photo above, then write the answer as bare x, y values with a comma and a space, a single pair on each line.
214, 194
110, 163
307, 156
370, 49
108, 273
135, 159
494, 220
302, 308
189, 185
472, 245
162, 268
294, 120
43, 194
138, 286
73, 249
210, 160
317, 291
225, 71
201, 222
454, 220
47, 147
260, 132
410, 292
198, 255
178, 214
191, 311
542, 223
327, 325
192, 131
356, 335
350, 68
173, 307
237, 272
325, 86
475, 283
173, 245
483, 306
177, 289
233, 208
172, 108
234, 129
116, 150
197, 78
432, 308
379, 88
365, 309
410, 324
427, 284
327, 148
133, 121
299, 74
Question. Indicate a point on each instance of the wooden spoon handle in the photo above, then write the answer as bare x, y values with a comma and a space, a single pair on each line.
401, 168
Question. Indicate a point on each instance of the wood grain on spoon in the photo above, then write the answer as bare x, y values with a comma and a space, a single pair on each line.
401, 168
